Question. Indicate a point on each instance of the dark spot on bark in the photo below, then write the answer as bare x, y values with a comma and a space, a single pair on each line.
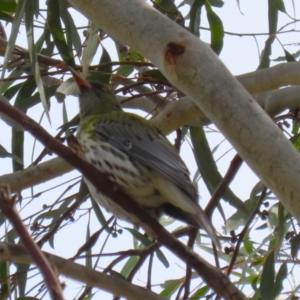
175, 49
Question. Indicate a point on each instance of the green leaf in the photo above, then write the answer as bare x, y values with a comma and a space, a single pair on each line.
17, 147
154, 74
208, 168
129, 265
105, 70
170, 287
8, 5
162, 258
268, 278
53, 17
281, 276
98, 212
5, 85
90, 49
6, 17
195, 16
289, 56
216, 3
4, 275
248, 246
279, 4
32, 8
88, 252
73, 37
295, 131
200, 293
140, 237
295, 245
124, 70
216, 29
5, 153
32, 100
168, 8
273, 20
21, 277
13, 35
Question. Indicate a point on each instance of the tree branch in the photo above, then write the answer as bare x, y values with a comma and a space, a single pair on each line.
211, 275
191, 66
113, 284
36, 174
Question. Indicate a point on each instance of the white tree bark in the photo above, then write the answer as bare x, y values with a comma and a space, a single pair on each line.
192, 67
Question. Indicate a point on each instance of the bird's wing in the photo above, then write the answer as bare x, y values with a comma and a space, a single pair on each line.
148, 146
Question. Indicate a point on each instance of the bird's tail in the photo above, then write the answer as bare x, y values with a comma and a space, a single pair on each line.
198, 220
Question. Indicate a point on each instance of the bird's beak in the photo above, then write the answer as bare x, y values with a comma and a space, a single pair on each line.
79, 80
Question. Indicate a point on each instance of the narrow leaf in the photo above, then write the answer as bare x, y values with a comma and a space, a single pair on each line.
216, 29
268, 278
281, 276
208, 168
13, 35
53, 17
195, 16
30, 10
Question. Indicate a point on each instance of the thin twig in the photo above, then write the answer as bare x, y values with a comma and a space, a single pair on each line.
213, 276
223, 185
243, 232
7, 205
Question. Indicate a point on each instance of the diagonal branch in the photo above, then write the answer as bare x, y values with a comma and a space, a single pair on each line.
211, 275
113, 284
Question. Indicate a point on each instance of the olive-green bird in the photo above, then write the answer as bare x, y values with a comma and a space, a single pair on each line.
135, 156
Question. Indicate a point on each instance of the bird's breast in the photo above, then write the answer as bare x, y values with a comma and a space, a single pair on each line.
128, 174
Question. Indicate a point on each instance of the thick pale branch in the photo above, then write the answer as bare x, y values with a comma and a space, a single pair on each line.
36, 174
193, 68
113, 284
271, 78
276, 101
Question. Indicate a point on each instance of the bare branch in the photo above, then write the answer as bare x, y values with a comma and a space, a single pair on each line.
212, 275
36, 174
113, 284
7, 206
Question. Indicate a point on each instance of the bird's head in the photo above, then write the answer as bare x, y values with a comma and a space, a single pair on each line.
95, 97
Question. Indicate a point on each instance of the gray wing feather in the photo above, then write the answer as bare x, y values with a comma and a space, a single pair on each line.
149, 148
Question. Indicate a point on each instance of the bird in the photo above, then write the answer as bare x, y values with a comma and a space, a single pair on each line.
137, 158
